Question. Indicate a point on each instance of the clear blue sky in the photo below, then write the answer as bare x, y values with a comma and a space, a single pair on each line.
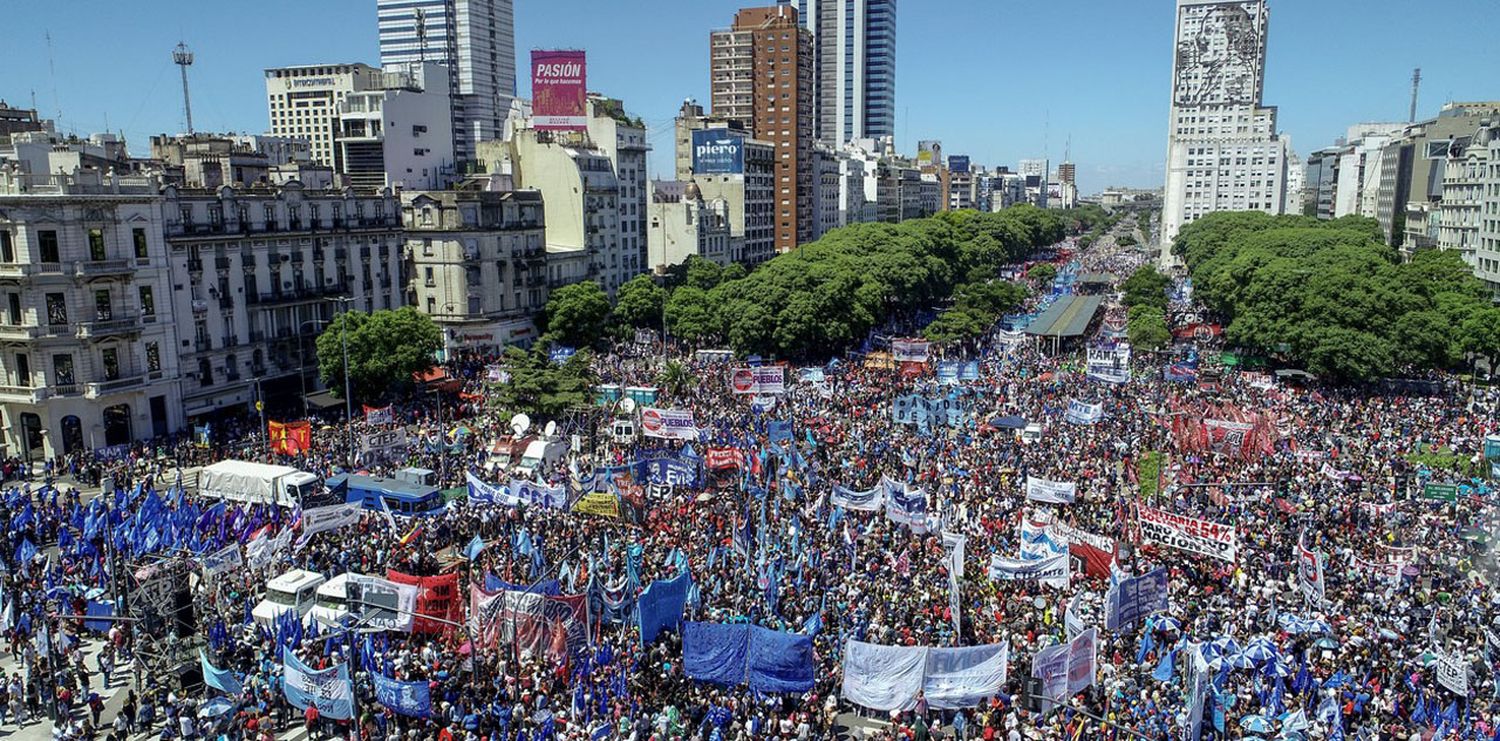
999, 80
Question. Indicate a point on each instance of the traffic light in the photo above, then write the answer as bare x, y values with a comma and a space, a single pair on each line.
1032, 695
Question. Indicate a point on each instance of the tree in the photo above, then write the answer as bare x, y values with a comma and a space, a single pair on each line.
639, 302
1127, 240
1146, 286
576, 313
1042, 274
385, 349
690, 315
676, 379
1480, 335
1147, 328
540, 388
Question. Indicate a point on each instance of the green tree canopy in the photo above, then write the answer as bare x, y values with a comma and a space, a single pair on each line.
639, 302
1042, 274
576, 314
540, 388
1146, 286
385, 349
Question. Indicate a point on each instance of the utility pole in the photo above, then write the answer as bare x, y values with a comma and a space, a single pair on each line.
1416, 84
183, 58
345, 301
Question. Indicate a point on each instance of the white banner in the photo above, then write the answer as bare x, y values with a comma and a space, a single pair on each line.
258, 551
540, 495
1062, 531
870, 500
1052, 492
1187, 533
1082, 413
910, 351
1453, 673
766, 379
1052, 568
668, 424
378, 444
222, 560
1310, 573
382, 604
1111, 365
953, 550
318, 519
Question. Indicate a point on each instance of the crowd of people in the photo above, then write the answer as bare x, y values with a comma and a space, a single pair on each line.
1403, 588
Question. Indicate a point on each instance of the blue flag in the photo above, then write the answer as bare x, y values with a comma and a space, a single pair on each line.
407, 698
222, 680
476, 546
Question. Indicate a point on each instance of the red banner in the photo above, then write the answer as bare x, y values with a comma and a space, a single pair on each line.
437, 598
721, 458
554, 626
290, 438
559, 91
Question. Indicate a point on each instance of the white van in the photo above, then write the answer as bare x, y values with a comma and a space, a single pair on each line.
1032, 433
539, 453
331, 605
295, 590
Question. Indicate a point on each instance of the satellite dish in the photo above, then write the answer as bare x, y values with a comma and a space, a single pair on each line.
551, 429
520, 424
627, 405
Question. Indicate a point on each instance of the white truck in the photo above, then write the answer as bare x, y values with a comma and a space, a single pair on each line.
243, 481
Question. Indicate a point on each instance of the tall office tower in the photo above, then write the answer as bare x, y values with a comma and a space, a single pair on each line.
1223, 151
762, 76
476, 41
855, 58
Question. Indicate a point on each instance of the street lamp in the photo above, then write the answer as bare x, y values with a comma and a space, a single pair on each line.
345, 301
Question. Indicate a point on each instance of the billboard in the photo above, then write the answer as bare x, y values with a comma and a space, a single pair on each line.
929, 151
559, 91
958, 163
718, 152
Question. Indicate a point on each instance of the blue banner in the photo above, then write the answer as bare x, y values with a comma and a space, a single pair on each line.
1130, 601
779, 662
560, 354
715, 653
779, 430
661, 606
925, 413
970, 371
222, 680
718, 152
947, 372
866, 501
667, 470
407, 698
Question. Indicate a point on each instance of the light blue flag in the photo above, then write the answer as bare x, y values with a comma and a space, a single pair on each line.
476, 546
222, 680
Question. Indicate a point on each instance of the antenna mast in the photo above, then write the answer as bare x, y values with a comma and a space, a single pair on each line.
1416, 84
184, 59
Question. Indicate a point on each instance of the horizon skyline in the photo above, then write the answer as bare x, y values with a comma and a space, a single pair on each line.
1128, 72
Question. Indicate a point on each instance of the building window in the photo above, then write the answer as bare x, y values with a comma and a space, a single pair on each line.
102, 310
96, 245
153, 357
62, 370
23, 370
47, 246
148, 302
111, 363
139, 238
57, 309
7, 250
13, 301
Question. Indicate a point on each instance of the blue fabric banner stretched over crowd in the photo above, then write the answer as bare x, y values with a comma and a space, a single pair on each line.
947, 372
667, 470
1133, 599
328, 689
767, 660
407, 698
661, 605
970, 371
779, 430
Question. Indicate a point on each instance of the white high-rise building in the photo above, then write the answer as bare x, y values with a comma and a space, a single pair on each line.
476, 41
304, 103
855, 67
1223, 150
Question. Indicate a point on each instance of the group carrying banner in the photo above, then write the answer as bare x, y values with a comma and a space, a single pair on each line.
1096, 552
891, 678
381, 444
668, 424
915, 409
1109, 364
905, 505
1053, 568
764, 379
735, 654
910, 351
289, 438
1052, 492
319, 519
381, 603
1066, 669
436, 600
1190, 534
535, 624
1082, 413
328, 689
1134, 599
412, 699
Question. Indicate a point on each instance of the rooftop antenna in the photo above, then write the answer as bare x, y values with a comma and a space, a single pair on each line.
1416, 84
52, 77
184, 59
421, 35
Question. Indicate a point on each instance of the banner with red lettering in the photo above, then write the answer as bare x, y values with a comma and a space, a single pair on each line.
718, 459
1187, 533
437, 597
1096, 551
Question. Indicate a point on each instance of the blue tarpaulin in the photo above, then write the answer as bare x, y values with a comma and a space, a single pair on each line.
716, 653
406, 698
780, 662
100, 608
767, 660
661, 605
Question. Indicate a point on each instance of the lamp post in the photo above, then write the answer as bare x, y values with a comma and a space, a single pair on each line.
345, 301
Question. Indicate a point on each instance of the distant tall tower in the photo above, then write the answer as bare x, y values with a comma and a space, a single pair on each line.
476, 41
854, 66
1223, 150
1416, 85
184, 59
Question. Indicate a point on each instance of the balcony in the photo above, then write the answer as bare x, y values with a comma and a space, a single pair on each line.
104, 388
65, 389
119, 324
17, 269
221, 263
23, 394
19, 332
203, 344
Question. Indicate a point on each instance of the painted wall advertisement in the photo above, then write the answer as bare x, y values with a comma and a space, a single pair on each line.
559, 91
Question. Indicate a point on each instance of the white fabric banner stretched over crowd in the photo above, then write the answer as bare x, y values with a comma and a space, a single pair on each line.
953, 552
220, 561
765, 379
1053, 568
1051, 492
1083, 413
910, 351
319, 519
887, 678
668, 424
540, 495
1187, 533
1066, 669
870, 500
